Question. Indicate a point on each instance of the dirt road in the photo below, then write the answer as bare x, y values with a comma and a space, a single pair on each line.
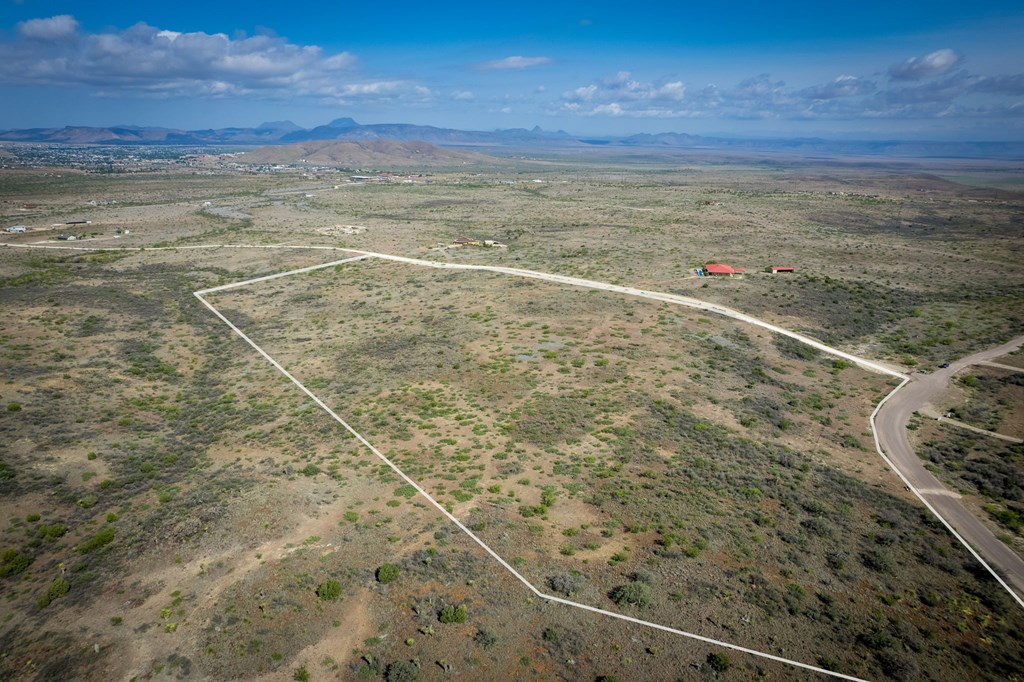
890, 425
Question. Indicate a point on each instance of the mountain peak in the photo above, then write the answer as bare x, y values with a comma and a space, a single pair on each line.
286, 126
345, 122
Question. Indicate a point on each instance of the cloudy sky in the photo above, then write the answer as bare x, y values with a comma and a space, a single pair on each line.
941, 69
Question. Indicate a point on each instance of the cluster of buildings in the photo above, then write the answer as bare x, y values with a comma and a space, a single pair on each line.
459, 242
723, 270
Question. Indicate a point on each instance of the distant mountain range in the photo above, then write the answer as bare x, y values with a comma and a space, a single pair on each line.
286, 132
364, 154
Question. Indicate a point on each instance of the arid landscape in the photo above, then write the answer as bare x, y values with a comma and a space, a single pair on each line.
176, 507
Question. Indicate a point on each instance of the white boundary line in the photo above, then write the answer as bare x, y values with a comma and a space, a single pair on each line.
266, 278
494, 555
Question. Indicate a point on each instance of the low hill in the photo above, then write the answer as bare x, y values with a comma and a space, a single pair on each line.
365, 154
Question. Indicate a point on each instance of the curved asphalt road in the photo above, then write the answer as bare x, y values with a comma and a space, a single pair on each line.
891, 430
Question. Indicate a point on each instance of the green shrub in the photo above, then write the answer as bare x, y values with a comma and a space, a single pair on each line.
51, 532
453, 614
329, 590
405, 491
635, 593
719, 662
13, 407
791, 348
1007, 517
32, 518
565, 583
877, 560
485, 638
387, 573
402, 671
104, 537
57, 589
531, 510
301, 675
14, 562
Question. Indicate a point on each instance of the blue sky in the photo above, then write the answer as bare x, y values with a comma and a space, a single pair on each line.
873, 69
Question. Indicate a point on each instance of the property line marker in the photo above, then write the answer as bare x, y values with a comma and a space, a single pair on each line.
494, 555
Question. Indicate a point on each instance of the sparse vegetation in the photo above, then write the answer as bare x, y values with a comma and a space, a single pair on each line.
606, 446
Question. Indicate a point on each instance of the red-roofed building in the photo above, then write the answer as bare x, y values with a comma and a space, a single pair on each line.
722, 270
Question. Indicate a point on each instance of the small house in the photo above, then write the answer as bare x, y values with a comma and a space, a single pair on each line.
722, 270
781, 268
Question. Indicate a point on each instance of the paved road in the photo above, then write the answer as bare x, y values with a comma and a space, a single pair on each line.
890, 425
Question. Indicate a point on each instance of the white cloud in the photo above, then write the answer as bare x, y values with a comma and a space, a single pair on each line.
55, 28
149, 61
675, 90
932, 64
846, 97
462, 96
622, 87
612, 109
1012, 85
842, 86
585, 93
517, 62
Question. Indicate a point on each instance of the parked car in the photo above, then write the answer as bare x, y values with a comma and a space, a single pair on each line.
944, 365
